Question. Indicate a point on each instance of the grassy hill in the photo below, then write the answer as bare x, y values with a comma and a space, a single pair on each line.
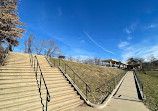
93, 75
150, 84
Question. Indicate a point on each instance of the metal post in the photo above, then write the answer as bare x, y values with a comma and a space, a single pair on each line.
59, 62
65, 68
34, 64
114, 83
86, 90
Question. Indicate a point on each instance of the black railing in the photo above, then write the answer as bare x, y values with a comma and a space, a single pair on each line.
3, 55
104, 90
74, 76
97, 95
35, 64
140, 85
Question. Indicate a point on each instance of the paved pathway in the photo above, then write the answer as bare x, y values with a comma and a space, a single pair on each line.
126, 99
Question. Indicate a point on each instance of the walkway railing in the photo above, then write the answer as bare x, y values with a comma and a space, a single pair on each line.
104, 90
140, 85
35, 64
97, 95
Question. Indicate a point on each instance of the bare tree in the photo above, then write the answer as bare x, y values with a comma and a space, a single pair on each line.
28, 42
50, 48
25, 45
78, 59
39, 47
70, 58
97, 61
151, 59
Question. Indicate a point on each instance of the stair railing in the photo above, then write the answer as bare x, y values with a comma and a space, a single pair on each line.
102, 92
74, 76
35, 64
140, 85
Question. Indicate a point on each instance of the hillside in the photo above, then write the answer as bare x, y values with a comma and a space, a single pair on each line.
93, 75
150, 86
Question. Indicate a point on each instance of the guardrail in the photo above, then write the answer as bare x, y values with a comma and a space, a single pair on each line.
140, 85
35, 64
97, 95
104, 90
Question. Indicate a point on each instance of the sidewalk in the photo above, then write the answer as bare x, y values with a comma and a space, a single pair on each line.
126, 99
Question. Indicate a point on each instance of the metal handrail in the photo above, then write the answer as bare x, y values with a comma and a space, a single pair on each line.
111, 83
35, 64
66, 66
108, 87
140, 84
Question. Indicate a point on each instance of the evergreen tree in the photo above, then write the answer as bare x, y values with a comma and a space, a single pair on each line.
9, 23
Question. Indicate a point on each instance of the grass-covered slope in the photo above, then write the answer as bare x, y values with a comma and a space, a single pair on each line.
150, 83
93, 75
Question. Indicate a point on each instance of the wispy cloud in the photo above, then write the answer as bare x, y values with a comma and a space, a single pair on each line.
123, 44
60, 11
91, 39
151, 26
129, 37
141, 49
128, 31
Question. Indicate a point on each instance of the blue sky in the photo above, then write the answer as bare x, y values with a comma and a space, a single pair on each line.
116, 29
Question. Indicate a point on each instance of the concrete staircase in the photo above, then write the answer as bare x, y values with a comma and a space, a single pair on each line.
19, 90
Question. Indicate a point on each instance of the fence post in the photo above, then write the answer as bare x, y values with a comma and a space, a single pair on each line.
34, 63
114, 82
86, 90
65, 68
59, 61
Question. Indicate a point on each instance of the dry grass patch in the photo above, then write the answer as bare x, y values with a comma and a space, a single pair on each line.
93, 75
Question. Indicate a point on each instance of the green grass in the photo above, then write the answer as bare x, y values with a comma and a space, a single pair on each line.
93, 75
150, 83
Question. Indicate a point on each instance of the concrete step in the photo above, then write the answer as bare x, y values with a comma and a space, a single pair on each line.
29, 104
19, 90
69, 106
28, 75
30, 85
17, 65
54, 104
24, 64
17, 60
35, 96
26, 91
29, 66
24, 68
2, 77
28, 71
52, 92
16, 81
19, 105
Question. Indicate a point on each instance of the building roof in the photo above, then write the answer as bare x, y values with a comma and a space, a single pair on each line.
110, 60
114, 61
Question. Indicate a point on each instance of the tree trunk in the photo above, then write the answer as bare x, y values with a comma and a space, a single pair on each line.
10, 47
